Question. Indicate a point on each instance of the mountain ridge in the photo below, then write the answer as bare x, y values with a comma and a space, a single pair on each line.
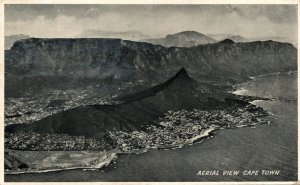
180, 75
179, 92
59, 63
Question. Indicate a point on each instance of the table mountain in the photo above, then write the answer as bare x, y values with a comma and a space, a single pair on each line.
36, 64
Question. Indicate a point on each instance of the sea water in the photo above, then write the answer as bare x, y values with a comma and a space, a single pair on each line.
251, 151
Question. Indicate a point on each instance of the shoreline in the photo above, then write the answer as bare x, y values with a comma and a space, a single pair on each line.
273, 74
253, 78
196, 139
98, 166
114, 156
104, 164
239, 90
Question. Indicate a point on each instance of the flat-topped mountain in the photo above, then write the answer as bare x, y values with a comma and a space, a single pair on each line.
183, 39
9, 40
125, 35
136, 111
36, 64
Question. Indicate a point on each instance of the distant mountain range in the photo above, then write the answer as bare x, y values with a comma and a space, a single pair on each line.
277, 39
125, 35
37, 65
193, 38
235, 38
238, 38
182, 39
220, 37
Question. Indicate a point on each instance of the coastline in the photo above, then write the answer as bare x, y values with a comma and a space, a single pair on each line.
232, 135
114, 156
98, 166
105, 163
198, 138
239, 90
275, 73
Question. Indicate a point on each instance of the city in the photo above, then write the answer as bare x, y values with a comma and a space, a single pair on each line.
173, 129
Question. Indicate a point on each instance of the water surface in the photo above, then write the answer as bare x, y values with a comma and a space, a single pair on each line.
267, 147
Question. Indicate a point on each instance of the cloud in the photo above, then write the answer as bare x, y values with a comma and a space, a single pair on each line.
274, 13
153, 20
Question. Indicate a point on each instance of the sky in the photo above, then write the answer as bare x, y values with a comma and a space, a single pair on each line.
58, 21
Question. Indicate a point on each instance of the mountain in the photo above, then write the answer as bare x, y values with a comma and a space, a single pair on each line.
237, 38
182, 39
36, 65
125, 35
277, 39
9, 40
220, 37
137, 110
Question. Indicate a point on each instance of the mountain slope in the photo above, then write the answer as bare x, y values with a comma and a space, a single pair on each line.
35, 65
137, 111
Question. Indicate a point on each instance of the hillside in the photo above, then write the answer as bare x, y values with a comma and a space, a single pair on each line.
33, 65
136, 111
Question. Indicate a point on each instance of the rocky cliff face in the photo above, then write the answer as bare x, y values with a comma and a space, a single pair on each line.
73, 62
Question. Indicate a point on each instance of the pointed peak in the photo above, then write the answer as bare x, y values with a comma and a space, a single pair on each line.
182, 73
182, 70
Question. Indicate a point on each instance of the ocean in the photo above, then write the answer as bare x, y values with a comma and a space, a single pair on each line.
269, 147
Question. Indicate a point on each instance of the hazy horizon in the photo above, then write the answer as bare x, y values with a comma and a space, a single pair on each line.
149, 21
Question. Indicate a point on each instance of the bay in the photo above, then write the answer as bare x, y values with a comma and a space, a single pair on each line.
266, 147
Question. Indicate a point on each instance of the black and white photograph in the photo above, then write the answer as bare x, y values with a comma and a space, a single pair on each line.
150, 92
